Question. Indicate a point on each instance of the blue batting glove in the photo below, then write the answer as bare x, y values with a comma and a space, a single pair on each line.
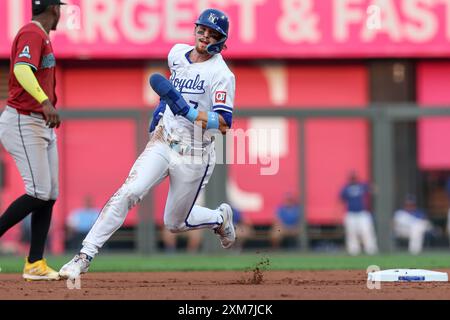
167, 91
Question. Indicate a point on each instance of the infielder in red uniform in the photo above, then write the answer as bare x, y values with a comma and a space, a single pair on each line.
27, 131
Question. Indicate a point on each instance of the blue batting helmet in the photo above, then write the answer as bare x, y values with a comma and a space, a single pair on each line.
218, 21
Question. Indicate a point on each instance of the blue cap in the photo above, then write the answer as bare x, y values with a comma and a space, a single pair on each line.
218, 21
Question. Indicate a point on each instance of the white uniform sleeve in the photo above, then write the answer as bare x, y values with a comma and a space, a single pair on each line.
171, 55
223, 91
174, 53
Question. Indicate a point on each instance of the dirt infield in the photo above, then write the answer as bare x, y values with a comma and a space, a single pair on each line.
272, 285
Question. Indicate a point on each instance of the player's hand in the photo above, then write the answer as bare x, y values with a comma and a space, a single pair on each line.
168, 93
154, 123
51, 115
157, 115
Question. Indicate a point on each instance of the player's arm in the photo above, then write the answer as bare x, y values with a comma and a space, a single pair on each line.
28, 81
176, 103
26, 78
209, 119
29, 53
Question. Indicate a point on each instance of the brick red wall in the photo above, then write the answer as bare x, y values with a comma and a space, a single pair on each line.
432, 90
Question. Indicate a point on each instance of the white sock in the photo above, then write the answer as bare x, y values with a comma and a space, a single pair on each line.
205, 217
89, 250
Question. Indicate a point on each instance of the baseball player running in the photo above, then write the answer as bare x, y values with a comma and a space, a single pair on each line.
27, 132
198, 98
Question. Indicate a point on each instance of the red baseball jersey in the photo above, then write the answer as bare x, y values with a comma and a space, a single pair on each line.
32, 47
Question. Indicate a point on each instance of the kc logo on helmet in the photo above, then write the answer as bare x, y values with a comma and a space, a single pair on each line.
221, 97
213, 18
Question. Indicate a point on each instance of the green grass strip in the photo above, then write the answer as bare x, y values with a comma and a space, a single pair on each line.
246, 261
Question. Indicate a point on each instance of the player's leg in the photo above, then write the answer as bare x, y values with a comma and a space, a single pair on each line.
53, 160
351, 234
369, 238
186, 181
41, 152
181, 214
28, 151
17, 211
276, 235
27, 141
41, 218
149, 170
11, 138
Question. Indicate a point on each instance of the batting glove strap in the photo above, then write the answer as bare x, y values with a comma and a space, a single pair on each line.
192, 114
213, 121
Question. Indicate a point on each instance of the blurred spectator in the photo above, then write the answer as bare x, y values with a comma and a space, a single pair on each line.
358, 221
194, 239
287, 221
411, 223
243, 226
80, 221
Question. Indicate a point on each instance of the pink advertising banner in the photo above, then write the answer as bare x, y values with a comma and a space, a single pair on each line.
259, 28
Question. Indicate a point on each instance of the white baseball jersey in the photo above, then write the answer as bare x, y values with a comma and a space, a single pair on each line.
412, 228
206, 86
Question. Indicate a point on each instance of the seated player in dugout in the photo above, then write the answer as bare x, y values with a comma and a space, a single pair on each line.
411, 223
287, 220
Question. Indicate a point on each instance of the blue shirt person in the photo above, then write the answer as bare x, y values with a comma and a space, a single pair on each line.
355, 194
289, 214
288, 219
80, 221
411, 223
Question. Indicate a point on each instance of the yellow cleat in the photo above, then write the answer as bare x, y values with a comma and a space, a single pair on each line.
39, 271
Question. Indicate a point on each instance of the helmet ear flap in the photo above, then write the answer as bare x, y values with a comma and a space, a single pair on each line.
217, 47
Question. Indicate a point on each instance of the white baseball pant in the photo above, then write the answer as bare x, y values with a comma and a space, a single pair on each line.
359, 227
34, 149
188, 175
